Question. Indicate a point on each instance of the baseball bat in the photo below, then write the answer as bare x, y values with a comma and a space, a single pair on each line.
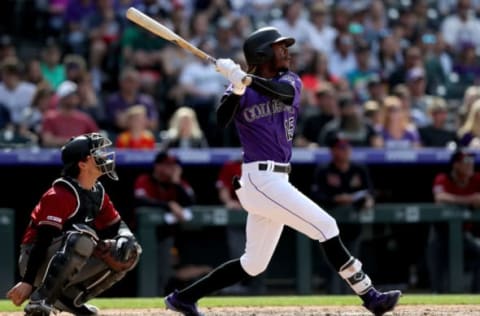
164, 32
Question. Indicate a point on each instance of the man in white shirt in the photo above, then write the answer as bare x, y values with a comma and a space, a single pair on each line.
462, 26
15, 94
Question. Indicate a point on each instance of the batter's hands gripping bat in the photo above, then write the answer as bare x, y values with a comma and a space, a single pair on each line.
164, 32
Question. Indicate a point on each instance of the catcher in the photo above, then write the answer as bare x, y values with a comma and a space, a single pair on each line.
76, 245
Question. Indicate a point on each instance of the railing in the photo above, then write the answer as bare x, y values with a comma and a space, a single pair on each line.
148, 219
131, 157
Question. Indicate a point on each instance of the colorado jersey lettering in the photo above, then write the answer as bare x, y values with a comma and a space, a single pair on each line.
266, 126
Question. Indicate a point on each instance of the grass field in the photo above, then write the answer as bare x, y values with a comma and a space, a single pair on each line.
214, 302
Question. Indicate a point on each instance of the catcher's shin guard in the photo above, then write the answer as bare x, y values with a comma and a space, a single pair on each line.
64, 265
82, 292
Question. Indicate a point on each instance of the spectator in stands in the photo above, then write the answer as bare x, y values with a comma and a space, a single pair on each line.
397, 132
165, 191
376, 88
201, 85
226, 45
142, 50
417, 83
436, 134
358, 77
350, 125
75, 32
470, 95
438, 62
104, 27
183, 131
343, 183
389, 54
469, 132
53, 71
137, 135
200, 29
33, 115
459, 187
322, 34
90, 101
342, 60
316, 116
293, 23
7, 48
127, 95
372, 113
15, 93
466, 65
412, 58
75, 67
33, 72
317, 74
66, 121
460, 26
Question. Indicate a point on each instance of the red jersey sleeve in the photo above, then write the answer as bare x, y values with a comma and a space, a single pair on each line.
55, 207
108, 215
439, 184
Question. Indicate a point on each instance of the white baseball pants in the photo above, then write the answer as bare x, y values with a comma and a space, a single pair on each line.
272, 202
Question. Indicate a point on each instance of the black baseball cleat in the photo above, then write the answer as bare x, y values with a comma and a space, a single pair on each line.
172, 302
66, 305
380, 303
38, 308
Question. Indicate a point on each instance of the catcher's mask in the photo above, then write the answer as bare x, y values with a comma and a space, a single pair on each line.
95, 145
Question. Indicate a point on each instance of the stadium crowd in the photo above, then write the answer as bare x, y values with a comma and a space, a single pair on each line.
394, 74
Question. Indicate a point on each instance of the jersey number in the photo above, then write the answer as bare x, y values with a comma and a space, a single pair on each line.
289, 128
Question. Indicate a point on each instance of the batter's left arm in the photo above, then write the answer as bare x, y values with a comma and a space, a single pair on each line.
274, 89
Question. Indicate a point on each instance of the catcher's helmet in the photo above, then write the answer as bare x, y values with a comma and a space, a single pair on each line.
93, 144
258, 45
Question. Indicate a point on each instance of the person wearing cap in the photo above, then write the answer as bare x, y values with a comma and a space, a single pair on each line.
322, 34
61, 263
66, 121
320, 113
343, 183
165, 189
351, 124
364, 68
436, 134
458, 188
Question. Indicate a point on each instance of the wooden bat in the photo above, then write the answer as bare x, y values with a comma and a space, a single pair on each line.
164, 32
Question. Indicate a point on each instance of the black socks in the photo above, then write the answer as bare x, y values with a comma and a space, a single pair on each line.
229, 273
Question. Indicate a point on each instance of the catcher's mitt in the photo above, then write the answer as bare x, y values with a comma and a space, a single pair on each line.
120, 254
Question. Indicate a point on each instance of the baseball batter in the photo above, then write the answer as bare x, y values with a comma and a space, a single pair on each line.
76, 245
265, 114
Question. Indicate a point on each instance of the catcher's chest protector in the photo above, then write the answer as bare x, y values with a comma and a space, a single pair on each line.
89, 202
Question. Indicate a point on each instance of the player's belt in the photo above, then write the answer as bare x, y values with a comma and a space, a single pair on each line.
276, 168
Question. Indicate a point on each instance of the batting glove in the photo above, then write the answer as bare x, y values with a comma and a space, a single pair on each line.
230, 70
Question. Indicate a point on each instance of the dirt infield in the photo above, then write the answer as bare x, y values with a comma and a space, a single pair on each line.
417, 310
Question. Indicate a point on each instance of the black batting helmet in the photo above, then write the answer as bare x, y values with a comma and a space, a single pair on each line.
93, 144
258, 45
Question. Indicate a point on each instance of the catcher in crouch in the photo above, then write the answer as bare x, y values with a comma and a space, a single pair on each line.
76, 245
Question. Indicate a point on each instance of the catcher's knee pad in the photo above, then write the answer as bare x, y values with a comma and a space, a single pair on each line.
357, 279
253, 266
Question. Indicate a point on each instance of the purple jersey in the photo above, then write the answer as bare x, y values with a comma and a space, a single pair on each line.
266, 126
